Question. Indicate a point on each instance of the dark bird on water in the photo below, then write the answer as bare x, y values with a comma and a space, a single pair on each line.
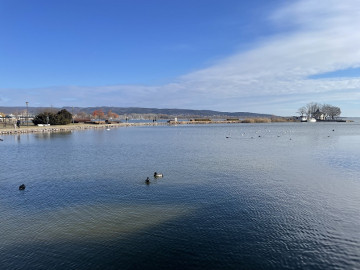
22, 187
147, 181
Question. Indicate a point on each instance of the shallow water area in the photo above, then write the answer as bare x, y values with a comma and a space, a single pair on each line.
233, 196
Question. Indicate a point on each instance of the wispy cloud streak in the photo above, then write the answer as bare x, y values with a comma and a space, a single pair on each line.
323, 38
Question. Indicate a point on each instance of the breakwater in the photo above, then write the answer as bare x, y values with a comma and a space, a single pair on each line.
82, 126
62, 128
74, 127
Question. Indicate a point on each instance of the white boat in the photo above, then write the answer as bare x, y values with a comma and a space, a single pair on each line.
311, 120
303, 119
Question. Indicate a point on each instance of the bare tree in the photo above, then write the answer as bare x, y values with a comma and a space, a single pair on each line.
335, 111
302, 110
330, 111
326, 110
311, 108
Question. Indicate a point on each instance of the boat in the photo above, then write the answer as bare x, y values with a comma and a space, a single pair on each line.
303, 119
311, 120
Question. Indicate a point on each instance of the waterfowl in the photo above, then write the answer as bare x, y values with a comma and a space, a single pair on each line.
147, 181
158, 174
22, 187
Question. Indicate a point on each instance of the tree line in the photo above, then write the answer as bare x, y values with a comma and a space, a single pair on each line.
63, 117
314, 109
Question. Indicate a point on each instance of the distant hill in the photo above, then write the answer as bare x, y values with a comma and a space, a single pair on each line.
170, 112
136, 110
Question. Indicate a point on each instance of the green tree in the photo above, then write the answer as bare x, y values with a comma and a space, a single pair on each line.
62, 117
43, 118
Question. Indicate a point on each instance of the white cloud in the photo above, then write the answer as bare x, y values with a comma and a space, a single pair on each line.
325, 40
274, 74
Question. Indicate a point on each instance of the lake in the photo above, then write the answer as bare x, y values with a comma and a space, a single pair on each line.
270, 196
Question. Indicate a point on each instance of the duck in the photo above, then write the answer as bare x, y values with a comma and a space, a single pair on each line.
147, 181
156, 174
22, 187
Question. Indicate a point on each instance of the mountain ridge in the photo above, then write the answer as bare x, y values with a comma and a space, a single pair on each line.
174, 112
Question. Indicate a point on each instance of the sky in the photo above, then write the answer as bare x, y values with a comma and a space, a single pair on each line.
260, 56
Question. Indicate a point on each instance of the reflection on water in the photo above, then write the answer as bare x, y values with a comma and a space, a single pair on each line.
270, 196
85, 223
52, 135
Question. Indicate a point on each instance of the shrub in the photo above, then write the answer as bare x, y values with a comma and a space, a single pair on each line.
62, 117
256, 120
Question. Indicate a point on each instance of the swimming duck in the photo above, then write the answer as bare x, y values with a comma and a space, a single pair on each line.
158, 174
147, 181
22, 187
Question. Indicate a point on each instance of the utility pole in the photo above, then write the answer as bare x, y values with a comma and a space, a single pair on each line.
27, 113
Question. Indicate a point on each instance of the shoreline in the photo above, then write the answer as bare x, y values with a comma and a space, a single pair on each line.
74, 127
82, 126
70, 127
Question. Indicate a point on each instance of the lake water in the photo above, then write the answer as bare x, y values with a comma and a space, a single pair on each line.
272, 196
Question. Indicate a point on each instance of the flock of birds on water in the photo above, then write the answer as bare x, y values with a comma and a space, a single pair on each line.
160, 175
259, 136
147, 180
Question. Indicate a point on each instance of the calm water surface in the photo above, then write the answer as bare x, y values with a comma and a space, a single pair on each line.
272, 196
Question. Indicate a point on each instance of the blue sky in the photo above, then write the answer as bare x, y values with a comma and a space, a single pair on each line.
230, 55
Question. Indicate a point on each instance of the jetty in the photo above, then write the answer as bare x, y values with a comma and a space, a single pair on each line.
65, 128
